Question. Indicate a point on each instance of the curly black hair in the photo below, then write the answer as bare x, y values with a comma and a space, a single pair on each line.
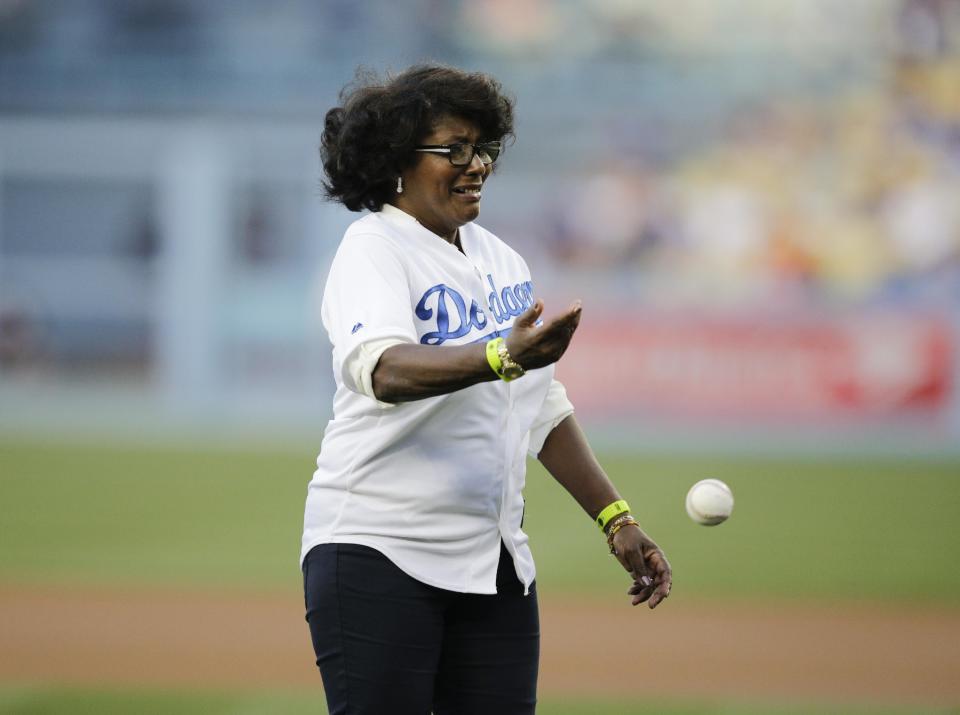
369, 139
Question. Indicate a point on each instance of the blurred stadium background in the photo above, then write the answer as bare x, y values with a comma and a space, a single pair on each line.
757, 200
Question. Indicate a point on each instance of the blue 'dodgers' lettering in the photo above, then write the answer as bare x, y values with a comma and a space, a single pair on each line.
453, 319
509, 302
465, 320
493, 300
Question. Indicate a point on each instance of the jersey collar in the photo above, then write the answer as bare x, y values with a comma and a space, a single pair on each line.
398, 217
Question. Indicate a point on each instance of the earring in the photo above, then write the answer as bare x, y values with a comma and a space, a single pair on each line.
399, 184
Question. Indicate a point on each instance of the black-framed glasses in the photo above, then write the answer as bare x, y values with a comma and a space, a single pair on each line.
462, 154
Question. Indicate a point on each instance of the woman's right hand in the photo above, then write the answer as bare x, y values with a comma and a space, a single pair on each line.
532, 346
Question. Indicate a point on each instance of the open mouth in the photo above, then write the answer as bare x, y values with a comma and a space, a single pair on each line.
469, 191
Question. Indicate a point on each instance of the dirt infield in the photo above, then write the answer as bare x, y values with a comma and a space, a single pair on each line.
864, 654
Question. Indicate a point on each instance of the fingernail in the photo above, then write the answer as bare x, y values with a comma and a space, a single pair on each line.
645, 580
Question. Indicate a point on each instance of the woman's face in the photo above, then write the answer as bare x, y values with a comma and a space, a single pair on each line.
441, 196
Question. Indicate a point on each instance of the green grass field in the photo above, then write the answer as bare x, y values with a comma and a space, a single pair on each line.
801, 529
879, 530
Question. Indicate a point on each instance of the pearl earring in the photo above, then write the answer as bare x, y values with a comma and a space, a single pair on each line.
399, 184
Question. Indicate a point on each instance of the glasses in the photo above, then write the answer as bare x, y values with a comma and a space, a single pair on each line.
462, 154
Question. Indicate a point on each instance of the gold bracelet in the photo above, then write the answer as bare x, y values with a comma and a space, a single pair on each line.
616, 525
619, 519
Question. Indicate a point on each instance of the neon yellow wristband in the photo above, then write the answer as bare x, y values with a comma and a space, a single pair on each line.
609, 512
493, 356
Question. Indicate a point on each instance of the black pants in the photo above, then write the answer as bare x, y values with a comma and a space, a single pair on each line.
389, 644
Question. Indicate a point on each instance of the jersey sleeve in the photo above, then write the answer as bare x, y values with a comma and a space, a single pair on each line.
366, 299
361, 363
556, 408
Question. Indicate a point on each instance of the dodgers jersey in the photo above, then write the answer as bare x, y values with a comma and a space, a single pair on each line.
433, 484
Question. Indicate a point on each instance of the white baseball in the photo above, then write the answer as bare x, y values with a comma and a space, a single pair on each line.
709, 502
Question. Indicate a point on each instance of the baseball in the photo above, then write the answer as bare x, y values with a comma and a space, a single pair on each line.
709, 502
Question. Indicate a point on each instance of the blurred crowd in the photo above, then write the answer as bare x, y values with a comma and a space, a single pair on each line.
849, 196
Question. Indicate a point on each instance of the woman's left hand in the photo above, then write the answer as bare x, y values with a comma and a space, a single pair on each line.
646, 564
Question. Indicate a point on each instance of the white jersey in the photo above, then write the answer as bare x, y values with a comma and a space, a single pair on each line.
433, 484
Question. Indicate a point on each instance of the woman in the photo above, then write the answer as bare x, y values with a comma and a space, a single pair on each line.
419, 582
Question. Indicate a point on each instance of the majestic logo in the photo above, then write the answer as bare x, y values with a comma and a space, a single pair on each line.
454, 319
